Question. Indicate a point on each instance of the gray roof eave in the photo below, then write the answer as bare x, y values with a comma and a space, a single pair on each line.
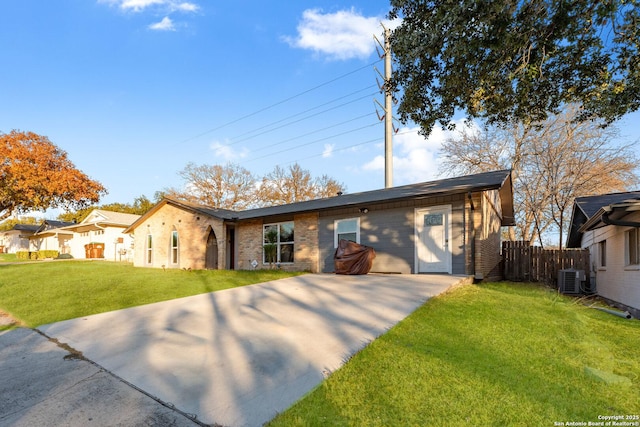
449, 186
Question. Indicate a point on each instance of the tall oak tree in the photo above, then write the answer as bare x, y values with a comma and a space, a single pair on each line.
515, 61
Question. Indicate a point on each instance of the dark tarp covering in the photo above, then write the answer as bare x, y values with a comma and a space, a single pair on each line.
353, 258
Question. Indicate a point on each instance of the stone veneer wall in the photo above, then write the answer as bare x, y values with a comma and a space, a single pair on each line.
193, 230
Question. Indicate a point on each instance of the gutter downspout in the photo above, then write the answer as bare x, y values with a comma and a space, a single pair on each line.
609, 221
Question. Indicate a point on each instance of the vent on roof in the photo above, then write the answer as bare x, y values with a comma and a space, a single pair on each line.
570, 281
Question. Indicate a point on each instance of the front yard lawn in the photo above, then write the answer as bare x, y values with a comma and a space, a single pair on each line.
46, 292
502, 354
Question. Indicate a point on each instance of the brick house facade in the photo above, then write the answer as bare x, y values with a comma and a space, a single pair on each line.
451, 226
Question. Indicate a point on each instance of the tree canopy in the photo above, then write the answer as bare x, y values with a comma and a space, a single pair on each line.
506, 61
552, 163
233, 187
36, 175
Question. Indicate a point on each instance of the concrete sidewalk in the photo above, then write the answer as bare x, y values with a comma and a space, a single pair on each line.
44, 385
238, 357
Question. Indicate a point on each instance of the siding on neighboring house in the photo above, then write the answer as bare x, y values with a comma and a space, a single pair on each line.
616, 281
17, 239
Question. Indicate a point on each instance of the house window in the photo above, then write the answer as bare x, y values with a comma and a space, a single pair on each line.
149, 249
174, 247
277, 243
632, 241
602, 252
347, 229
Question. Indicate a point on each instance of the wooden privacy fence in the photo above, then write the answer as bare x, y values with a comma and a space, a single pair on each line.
522, 262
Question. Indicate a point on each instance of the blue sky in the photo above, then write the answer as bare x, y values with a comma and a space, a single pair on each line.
133, 90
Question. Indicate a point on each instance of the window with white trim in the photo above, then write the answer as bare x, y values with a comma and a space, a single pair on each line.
632, 247
347, 229
149, 249
278, 243
174, 247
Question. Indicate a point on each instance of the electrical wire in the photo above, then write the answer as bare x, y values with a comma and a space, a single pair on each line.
280, 102
311, 142
306, 111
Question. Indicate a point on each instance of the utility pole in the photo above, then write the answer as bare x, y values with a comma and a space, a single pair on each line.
388, 109
388, 114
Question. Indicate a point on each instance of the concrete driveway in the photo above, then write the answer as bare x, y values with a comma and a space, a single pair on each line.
238, 357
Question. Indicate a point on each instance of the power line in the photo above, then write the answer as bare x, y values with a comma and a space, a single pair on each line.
300, 120
311, 142
347, 147
280, 102
305, 111
313, 132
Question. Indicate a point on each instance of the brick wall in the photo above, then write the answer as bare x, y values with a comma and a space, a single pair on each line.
249, 244
193, 229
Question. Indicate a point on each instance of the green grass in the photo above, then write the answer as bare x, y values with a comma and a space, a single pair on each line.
489, 355
9, 258
44, 292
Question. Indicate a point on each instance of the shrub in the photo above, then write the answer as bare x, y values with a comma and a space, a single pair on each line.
44, 254
22, 254
65, 256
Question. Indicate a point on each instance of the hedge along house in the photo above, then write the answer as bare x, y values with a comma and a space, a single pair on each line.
447, 226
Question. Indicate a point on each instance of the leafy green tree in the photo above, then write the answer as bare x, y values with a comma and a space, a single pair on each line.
515, 61
11, 222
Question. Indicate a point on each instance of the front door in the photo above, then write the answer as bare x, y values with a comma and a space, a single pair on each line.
433, 228
211, 255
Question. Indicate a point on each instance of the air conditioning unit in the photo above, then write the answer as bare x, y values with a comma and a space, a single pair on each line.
570, 281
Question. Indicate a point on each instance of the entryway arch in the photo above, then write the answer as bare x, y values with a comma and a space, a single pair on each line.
211, 253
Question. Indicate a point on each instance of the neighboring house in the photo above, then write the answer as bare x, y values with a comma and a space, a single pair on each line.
446, 226
51, 235
100, 235
17, 239
609, 225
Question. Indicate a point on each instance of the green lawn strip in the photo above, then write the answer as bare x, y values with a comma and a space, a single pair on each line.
10, 258
495, 354
46, 292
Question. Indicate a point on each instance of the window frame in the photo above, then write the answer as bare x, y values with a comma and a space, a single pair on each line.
602, 254
149, 249
336, 224
632, 254
174, 247
279, 244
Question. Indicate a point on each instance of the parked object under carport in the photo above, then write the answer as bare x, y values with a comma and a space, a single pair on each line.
353, 258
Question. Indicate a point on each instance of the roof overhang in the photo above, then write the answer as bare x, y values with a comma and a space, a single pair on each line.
613, 214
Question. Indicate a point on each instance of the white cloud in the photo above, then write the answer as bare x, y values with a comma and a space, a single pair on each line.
227, 152
140, 5
415, 159
341, 35
165, 25
328, 150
